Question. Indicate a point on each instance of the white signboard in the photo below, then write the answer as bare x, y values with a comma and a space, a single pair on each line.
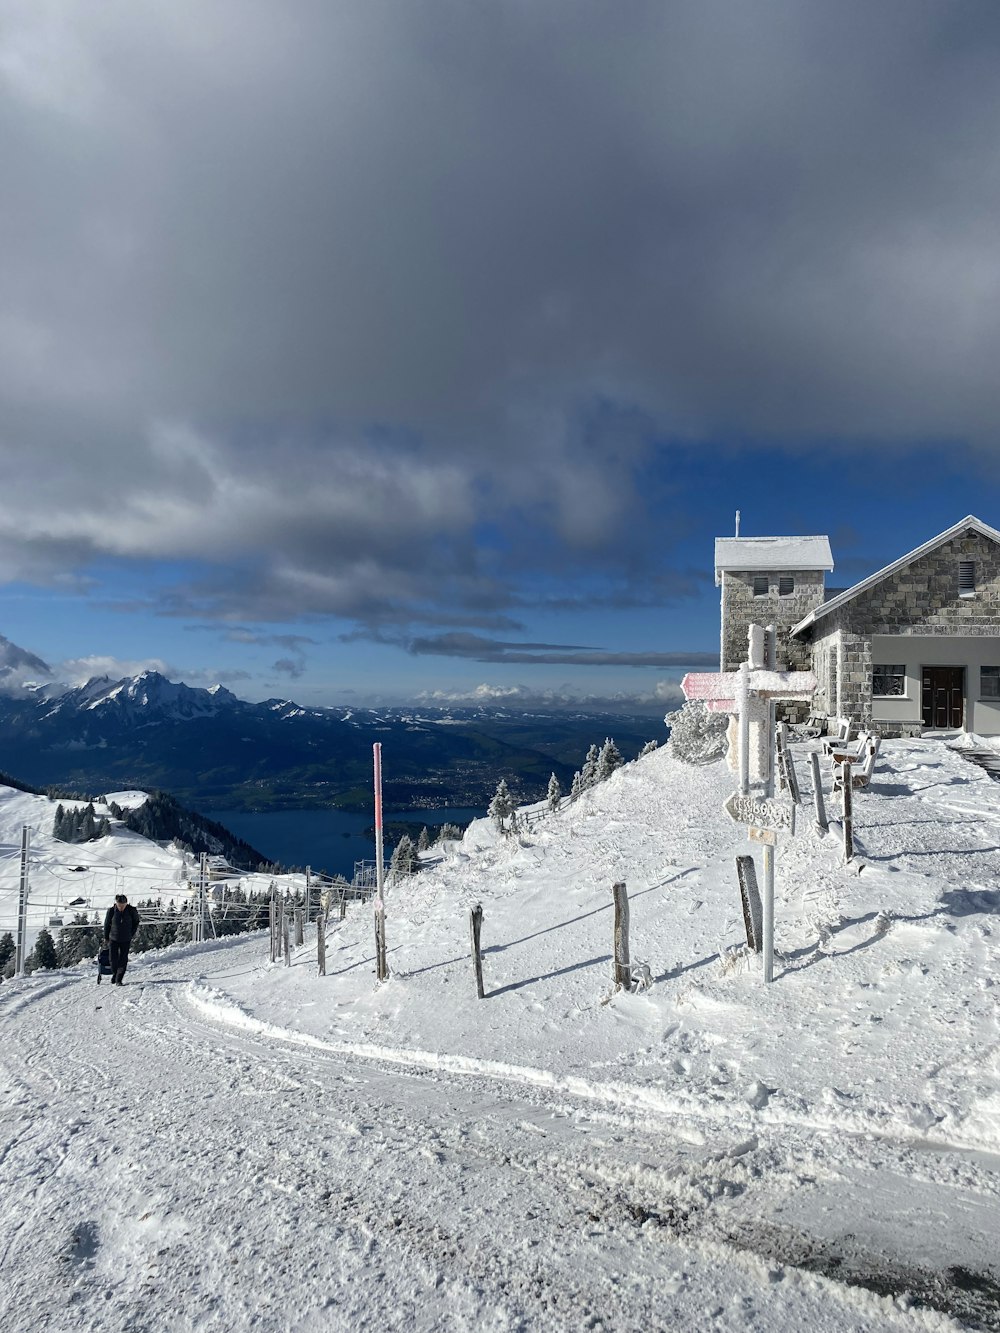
761, 812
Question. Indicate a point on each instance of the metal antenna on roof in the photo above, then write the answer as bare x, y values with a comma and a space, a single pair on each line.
737, 522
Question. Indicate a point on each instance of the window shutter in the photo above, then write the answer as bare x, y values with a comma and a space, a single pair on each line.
786, 585
966, 576
760, 585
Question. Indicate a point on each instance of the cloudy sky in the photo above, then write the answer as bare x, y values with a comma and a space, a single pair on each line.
402, 348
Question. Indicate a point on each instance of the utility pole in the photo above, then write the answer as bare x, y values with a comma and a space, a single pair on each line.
22, 907
198, 930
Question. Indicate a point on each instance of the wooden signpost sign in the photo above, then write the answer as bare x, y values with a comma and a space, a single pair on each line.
751, 694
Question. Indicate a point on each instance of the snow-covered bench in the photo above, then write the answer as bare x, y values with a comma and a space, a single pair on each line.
862, 774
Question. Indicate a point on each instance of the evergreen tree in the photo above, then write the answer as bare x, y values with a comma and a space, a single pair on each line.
648, 748
608, 760
588, 774
404, 857
501, 807
59, 822
44, 953
88, 828
7, 948
554, 794
448, 833
424, 841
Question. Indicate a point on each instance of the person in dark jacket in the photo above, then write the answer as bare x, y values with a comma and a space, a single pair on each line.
120, 924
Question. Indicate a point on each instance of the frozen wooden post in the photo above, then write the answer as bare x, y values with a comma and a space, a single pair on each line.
848, 782
343, 904
321, 943
768, 912
308, 892
475, 927
273, 916
300, 936
623, 968
787, 765
750, 896
286, 942
821, 820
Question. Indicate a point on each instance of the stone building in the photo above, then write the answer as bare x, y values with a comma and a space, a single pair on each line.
769, 581
914, 646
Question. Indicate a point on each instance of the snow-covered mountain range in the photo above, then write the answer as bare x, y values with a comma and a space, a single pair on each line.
215, 750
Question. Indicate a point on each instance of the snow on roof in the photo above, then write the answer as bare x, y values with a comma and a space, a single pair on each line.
968, 524
749, 553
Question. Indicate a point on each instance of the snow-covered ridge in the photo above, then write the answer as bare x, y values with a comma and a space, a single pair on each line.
697, 1138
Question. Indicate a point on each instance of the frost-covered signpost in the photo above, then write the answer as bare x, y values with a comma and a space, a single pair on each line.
750, 695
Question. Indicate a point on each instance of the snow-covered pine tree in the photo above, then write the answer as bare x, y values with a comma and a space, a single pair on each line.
588, 774
608, 760
696, 735
404, 857
7, 949
648, 748
424, 841
554, 794
501, 807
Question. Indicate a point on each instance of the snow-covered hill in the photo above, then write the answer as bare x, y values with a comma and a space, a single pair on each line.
711, 1152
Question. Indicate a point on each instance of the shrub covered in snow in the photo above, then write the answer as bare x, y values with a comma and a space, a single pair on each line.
696, 735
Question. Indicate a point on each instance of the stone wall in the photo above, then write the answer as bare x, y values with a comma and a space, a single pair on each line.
922, 598
740, 609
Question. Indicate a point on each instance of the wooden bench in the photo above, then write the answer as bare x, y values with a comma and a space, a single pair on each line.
862, 775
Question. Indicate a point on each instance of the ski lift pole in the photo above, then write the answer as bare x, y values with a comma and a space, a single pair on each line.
381, 970
22, 906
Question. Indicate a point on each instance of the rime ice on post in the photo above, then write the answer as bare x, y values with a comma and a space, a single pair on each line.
749, 695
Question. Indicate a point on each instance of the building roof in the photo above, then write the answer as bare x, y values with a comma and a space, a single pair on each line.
968, 524
767, 553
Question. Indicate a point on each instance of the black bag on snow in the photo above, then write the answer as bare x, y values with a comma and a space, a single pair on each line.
103, 964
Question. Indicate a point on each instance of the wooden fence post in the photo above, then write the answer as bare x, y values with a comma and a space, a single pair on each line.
847, 777
821, 820
623, 968
286, 942
753, 914
273, 916
300, 937
475, 927
321, 943
788, 774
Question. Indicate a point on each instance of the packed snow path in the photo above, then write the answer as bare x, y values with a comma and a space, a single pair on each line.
166, 1169
224, 1144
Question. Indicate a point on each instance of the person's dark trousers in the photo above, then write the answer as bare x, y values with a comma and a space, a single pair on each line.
119, 961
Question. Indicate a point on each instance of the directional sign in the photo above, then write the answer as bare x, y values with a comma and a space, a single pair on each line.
719, 690
767, 836
761, 812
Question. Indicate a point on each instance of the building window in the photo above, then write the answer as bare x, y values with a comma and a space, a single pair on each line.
786, 585
989, 682
760, 588
966, 578
888, 682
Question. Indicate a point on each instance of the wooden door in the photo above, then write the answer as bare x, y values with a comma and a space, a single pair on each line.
943, 697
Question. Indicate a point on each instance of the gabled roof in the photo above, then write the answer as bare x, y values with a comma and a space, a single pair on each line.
968, 524
767, 553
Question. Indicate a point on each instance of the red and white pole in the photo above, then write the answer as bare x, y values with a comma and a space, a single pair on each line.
381, 968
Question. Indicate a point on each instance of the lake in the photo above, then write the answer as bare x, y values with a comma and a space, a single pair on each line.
327, 840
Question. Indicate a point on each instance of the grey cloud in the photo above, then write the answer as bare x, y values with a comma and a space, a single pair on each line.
288, 666
315, 290
481, 649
